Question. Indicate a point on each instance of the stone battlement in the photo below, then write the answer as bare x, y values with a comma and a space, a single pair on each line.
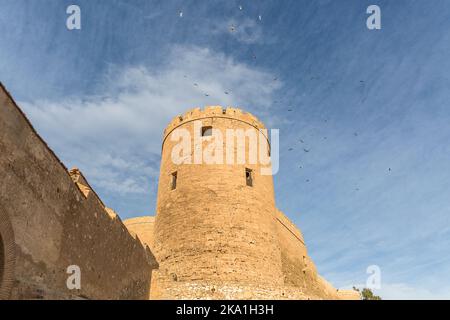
213, 112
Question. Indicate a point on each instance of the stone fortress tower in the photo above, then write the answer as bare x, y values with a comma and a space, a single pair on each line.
217, 231
213, 225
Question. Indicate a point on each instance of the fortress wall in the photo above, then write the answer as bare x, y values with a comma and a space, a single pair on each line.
298, 268
50, 224
213, 226
283, 223
142, 227
229, 291
348, 295
293, 252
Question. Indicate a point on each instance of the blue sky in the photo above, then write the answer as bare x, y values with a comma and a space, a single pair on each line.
362, 101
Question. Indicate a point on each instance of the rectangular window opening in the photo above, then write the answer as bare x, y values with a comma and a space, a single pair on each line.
206, 131
173, 182
249, 177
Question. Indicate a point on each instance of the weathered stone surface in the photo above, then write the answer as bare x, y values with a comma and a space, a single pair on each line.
142, 227
48, 222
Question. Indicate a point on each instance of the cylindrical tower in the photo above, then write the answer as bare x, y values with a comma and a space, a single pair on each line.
215, 222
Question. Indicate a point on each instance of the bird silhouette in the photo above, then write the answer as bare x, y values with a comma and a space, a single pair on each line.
306, 150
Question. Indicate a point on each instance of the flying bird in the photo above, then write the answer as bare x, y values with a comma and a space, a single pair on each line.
240, 7
259, 17
290, 149
306, 150
180, 13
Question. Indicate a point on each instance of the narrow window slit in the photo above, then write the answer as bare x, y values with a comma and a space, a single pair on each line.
249, 177
173, 182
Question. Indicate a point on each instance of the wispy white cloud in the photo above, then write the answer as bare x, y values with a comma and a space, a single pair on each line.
115, 136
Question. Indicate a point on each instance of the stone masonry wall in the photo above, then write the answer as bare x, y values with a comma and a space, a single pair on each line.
142, 227
48, 222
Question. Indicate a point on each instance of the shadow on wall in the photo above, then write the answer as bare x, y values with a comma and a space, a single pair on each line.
2, 259
7, 257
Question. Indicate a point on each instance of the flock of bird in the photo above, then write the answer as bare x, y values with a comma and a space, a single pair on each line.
233, 28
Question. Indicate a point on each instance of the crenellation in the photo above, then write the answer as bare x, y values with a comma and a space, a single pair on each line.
210, 112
